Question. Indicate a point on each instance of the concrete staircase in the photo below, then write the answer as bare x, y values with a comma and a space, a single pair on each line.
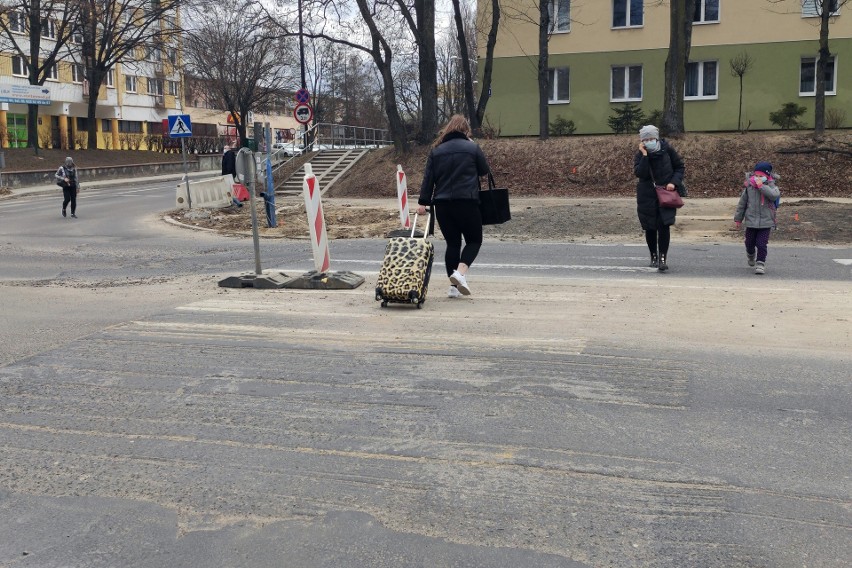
328, 167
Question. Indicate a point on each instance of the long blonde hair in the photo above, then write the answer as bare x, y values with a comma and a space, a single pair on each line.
457, 123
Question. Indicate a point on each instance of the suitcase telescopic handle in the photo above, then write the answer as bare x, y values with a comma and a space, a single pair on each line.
414, 224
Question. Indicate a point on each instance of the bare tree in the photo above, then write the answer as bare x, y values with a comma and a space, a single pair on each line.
241, 63
119, 31
680, 40
544, 20
485, 92
372, 29
464, 32
48, 27
543, 63
825, 12
422, 26
740, 64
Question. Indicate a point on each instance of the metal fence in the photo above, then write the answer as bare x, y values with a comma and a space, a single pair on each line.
324, 136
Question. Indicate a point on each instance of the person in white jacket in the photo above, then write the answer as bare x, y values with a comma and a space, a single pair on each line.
756, 209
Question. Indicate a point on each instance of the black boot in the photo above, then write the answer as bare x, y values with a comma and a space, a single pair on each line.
663, 266
654, 261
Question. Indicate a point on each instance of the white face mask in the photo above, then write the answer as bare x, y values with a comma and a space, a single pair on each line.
652, 145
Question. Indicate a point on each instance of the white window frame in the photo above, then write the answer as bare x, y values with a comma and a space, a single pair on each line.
48, 28
22, 72
173, 88
701, 96
553, 82
18, 22
832, 62
627, 5
153, 54
154, 82
172, 55
626, 78
109, 80
553, 6
130, 84
52, 73
810, 8
701, 6
78, 73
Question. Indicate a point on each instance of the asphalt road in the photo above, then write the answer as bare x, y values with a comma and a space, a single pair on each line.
579, 410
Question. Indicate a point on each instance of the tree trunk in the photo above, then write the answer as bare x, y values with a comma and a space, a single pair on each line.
485, 93
543, 109
821, 66
32, 128
428, 69
469, 97
680, 41
740, 111
96, 77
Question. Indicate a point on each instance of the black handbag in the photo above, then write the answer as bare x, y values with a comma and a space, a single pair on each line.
494, 203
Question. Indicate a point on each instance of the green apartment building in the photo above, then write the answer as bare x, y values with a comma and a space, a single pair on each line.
604, 53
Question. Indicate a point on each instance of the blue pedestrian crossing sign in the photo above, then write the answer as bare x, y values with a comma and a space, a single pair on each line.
180, 126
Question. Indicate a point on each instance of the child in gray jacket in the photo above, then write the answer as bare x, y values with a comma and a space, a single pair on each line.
756, 208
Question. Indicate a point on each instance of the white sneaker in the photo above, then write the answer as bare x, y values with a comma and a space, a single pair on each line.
453, 292
457, 278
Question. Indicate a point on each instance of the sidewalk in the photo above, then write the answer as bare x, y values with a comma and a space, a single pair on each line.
86, 184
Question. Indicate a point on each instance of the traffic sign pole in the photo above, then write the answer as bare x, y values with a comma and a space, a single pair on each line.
186, 173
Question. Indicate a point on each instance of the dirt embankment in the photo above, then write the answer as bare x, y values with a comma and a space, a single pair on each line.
602, 166
581, 189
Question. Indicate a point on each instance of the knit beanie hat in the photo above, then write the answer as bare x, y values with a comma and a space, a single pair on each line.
764, 167
649, 131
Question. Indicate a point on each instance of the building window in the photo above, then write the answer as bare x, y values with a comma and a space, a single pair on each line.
130, 126
560, 15
813, 8
153, 54
702, 80
82, 123
558, 83
110, 78
171, 54
130, 83
173, 88
627, 13
626, 83
52, 73
77, 38
77, 73
48, 28
807, 77
19, 69
106, 125
706, 11
155, 86
18, 22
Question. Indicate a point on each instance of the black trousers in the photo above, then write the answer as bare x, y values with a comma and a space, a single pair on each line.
69, 195
659, 238
459, 219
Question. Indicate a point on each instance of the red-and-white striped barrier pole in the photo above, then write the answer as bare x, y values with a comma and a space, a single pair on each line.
316, 220
402, 194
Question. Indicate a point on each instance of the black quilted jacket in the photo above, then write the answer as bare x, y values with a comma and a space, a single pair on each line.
453, 170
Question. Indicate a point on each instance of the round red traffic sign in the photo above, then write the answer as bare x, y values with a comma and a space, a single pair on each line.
303, 96
303, 113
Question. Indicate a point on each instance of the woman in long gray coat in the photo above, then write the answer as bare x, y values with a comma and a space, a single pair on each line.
656, 163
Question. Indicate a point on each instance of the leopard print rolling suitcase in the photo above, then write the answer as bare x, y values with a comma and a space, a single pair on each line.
404, 277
